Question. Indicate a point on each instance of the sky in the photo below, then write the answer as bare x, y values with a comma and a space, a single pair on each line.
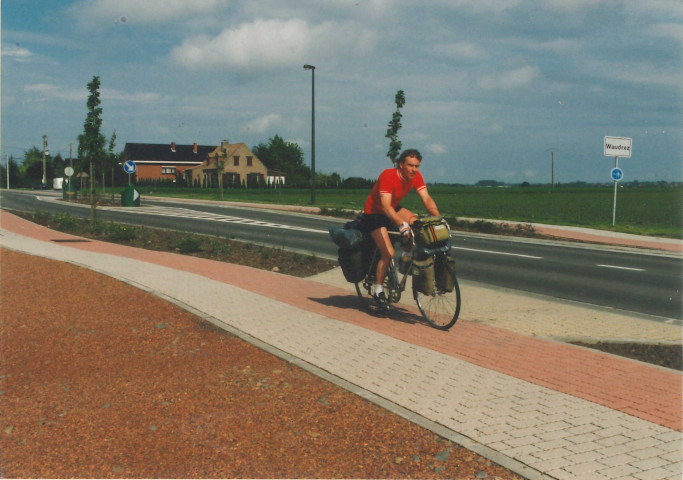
506, 90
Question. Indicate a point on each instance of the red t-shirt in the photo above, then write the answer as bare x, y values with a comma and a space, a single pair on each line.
390, 181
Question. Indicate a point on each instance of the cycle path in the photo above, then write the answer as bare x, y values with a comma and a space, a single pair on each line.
539, 407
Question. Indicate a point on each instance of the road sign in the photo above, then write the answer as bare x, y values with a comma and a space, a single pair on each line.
617, 174
617, 147
129, 167
68, 171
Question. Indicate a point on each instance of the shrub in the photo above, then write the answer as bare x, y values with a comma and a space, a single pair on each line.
66, 222
220, 247
118, 232
188, 244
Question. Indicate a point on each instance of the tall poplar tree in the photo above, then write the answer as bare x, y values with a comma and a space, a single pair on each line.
394, 126
91, 142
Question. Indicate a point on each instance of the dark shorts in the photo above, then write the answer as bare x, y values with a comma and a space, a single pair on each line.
372, 221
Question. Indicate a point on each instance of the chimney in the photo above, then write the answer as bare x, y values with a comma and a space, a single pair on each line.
194, 148
173, 147
224, 145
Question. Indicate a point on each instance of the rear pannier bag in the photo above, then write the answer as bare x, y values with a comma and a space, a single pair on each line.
346, 237
444, 273
351, 263
423, 276
431, 231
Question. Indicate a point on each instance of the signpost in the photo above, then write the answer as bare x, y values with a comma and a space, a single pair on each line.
68, 192
130, 196
129, 167
617, 147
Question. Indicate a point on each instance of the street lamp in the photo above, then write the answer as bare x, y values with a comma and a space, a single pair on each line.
312, 69
45, 152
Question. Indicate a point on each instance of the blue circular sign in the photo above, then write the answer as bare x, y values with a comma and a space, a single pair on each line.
129, 167
617, 174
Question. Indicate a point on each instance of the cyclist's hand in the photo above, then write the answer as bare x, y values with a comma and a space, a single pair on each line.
406, 233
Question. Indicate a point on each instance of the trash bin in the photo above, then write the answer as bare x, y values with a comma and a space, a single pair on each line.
68, 190
130, 197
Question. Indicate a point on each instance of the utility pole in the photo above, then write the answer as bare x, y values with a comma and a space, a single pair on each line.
7, 157
45, 152
552, 166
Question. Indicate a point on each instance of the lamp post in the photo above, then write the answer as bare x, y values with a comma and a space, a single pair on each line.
312, 69
45, 152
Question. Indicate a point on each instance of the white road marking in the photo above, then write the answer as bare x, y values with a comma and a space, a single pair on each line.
215, 217
498, 253
622, 268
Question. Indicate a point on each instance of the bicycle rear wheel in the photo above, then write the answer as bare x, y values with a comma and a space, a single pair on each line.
442, 308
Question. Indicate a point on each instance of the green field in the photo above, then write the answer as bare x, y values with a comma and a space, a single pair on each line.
647, 211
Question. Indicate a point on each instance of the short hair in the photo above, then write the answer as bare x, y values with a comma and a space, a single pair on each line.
411, 152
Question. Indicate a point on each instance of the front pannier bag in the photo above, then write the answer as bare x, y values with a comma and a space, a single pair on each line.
444, 273
430, 231
423, 276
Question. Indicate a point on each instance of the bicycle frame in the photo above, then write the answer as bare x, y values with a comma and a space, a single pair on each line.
396, 287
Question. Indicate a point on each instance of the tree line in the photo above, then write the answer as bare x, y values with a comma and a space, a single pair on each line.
96, 161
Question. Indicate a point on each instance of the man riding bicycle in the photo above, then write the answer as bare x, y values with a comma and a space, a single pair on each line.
383, 211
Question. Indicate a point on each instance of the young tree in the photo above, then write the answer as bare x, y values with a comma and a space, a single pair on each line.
91, 141
394, 126
111, 160
220, 168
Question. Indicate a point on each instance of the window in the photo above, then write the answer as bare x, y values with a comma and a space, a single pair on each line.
168, 170
249, 161
236, 159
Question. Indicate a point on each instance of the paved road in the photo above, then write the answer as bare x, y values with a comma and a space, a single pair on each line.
629, 280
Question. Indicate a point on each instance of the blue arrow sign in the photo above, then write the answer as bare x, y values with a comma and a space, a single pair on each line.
129, 167
617, 174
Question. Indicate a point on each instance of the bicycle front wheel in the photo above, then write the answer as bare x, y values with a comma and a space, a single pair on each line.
442, 308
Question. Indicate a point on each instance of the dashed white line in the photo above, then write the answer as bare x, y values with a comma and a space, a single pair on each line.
622, 268
498, 253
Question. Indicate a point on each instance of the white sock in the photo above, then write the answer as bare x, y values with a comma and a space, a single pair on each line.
378, 289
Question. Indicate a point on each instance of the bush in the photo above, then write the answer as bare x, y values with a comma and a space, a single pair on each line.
66, 222
220, 247
188, 244
118, 232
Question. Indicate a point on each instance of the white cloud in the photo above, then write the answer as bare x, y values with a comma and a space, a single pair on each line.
564, 6
486, 6
521, 77
139, 97
667, 30
143, 12
271, 44
460, 50
264, 124
436, 148
16, 52
49, 91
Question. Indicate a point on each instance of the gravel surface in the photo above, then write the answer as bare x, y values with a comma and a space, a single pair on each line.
101, 380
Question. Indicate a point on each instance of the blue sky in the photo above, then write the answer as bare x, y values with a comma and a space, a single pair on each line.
491, 86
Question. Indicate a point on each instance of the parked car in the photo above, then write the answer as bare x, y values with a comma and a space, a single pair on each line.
40, 186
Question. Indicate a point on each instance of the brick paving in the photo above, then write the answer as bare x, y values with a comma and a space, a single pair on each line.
558, 410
